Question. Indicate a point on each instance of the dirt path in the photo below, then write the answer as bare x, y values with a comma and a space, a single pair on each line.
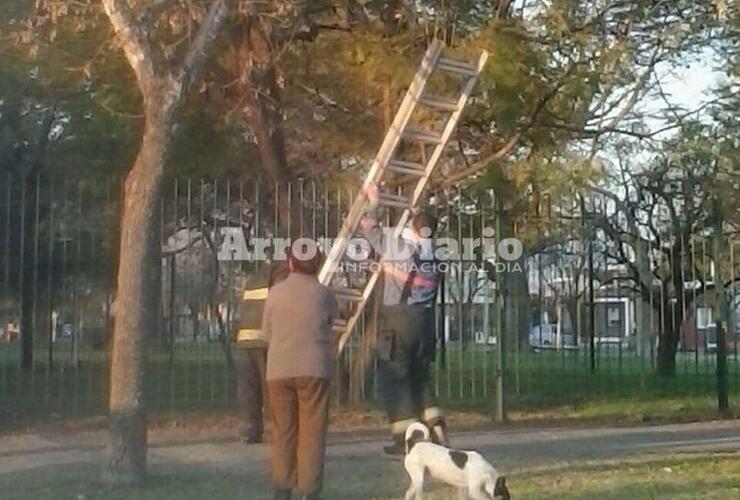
360, 458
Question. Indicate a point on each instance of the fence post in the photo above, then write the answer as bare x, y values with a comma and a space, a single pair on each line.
721, 309
499, 405
591, 307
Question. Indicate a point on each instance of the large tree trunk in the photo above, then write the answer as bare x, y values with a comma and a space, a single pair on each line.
673, 315
136, 304
163, 86
668, 346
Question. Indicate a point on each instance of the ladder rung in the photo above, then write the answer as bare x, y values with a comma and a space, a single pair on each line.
339, 325
393, 200
441, 103
414, 134
347, 293
406, 167
459, 67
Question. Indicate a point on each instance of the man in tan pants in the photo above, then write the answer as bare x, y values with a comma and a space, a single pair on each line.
300, 414
297, 318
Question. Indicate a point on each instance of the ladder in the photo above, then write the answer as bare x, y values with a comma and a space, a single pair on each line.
385, 162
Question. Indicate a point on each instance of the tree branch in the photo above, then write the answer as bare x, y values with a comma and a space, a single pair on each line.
133, 39
507, 148
195, 58
150, 15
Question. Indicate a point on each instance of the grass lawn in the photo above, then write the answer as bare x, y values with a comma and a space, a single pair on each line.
691, 476
538, 386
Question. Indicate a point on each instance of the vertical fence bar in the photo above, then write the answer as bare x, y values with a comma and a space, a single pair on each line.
704, 262
472, 292
459, 309
447, 328
4, 390
26, 337
190, 345
163, 321
438, 312
591, 292
734, 305
692, 243
50, 313
214, 302
34, 289
485, 312
229, 265
171, 261
203, 315
652, 309
64, 227
500, 401
683, 292
76, 232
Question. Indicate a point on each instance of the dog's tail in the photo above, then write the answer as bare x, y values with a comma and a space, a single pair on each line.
416, 433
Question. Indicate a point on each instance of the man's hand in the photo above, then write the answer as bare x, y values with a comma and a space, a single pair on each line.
370, 190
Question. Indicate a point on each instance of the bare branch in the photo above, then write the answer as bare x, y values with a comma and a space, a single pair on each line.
195, 58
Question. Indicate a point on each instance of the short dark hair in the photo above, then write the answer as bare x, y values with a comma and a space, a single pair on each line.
303, 265
279, 270
424, 220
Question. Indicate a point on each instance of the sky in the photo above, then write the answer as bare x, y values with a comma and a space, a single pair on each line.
687, 86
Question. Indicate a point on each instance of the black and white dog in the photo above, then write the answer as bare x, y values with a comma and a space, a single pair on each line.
468, 470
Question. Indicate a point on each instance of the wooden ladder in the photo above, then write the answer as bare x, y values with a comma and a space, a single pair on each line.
385, 162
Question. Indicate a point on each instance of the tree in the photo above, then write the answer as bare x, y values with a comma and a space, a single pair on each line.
652, 213
164, 83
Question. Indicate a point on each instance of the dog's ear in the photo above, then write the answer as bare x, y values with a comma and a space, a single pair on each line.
416, 436
501, 491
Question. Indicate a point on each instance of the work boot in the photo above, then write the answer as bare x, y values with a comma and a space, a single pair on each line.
252, 439
439, 434
251, 434
282, 495
397, 449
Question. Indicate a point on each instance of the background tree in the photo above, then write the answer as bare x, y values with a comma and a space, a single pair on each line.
164, 78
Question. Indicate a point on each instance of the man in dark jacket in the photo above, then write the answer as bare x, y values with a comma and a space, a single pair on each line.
406, 343
250, 353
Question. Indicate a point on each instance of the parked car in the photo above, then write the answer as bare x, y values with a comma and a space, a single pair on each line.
546, 337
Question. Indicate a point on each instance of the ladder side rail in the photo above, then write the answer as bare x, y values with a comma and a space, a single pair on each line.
358, 311
439, 149
384, 155
450, 126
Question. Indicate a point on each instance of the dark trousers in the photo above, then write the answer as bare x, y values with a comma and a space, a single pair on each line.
250, 363
406, 349
300, 418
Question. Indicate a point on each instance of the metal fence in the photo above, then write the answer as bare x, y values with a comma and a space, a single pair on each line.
570, 320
